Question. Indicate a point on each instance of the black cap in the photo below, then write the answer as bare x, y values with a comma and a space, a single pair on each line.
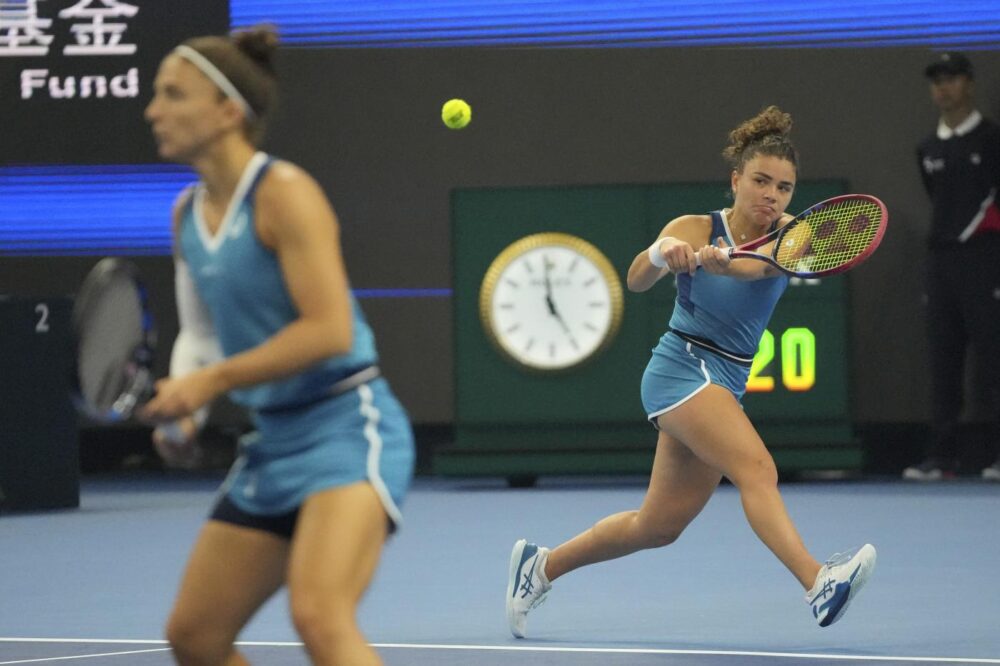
949, 63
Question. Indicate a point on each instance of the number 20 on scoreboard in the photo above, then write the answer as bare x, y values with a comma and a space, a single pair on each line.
794, 353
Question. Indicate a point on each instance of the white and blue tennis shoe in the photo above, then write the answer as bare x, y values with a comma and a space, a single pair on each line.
527, 585
837, 582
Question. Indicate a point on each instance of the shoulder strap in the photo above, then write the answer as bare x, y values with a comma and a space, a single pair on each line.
718, 228
259, 176
183, 206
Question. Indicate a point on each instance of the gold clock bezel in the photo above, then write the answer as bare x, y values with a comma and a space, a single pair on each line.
509, 254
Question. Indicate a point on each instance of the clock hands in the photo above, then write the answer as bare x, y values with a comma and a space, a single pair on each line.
569, 335
548, 288
552, 304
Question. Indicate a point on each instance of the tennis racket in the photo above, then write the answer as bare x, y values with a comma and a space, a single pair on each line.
825, 239
115, 342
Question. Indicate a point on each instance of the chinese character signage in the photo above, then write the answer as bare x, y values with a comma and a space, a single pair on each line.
22, 32
75, 75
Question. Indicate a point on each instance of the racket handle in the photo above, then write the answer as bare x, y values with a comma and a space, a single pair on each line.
697, 255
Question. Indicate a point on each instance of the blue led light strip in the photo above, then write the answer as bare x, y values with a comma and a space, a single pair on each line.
967, 24
105, 210
88, 210
402, 293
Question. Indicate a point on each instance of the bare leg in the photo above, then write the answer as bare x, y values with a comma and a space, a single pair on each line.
231, 572
679, 487
714, 427
337, 545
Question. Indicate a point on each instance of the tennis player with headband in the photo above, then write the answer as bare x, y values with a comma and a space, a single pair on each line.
692, 387
267, 316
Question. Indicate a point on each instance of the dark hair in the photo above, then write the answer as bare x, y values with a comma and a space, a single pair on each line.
246, 59
764, 134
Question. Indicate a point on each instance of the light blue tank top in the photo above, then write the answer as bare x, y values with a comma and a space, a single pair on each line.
242, 286
731, 313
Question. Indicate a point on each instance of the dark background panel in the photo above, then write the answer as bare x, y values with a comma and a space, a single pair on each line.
39, 452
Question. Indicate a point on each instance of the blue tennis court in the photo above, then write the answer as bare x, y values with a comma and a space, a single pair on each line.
94, 585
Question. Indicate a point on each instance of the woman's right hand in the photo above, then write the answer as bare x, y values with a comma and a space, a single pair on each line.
715, 258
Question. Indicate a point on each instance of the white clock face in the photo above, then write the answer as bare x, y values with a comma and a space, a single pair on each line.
552, 306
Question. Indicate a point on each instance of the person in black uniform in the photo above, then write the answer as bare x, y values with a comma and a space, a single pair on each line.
960, 166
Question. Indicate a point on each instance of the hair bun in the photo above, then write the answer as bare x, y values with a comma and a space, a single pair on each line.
772, 125
259, 43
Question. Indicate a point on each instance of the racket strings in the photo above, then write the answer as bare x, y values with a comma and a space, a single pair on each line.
830, 237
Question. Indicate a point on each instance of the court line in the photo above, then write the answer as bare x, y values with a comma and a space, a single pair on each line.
539, 648
717, 653
81, 656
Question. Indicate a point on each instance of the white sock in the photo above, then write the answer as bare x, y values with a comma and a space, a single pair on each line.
543, 557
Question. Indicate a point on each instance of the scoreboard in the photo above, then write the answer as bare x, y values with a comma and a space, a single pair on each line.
798, 390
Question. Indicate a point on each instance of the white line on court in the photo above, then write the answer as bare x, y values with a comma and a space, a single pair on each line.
81, 656
532, 648
717, 653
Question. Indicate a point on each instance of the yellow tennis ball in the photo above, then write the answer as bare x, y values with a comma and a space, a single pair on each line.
456, 113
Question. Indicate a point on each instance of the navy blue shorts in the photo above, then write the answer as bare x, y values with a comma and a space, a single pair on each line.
282, 524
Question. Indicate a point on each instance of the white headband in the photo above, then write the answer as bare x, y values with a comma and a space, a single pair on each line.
216, 76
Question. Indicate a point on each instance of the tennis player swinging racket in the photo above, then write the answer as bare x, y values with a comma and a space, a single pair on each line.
696, 376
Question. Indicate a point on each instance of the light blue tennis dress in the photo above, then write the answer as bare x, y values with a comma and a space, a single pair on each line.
713, 334
330, 425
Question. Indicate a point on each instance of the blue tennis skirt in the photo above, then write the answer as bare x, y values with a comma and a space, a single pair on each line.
678, 370
361, 435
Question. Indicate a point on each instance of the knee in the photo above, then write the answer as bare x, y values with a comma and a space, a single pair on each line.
658, 538
193, 643
322, 623
759, 473
653, 534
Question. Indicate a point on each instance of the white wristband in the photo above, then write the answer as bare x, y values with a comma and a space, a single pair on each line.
655, 256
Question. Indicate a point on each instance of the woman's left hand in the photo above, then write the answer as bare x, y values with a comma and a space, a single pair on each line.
715, 258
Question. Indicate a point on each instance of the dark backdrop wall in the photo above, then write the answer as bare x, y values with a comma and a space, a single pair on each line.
366, 124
